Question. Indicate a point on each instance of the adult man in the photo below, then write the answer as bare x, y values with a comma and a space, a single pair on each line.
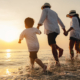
51, 29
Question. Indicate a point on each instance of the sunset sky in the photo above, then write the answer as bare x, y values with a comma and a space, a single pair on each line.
13, 13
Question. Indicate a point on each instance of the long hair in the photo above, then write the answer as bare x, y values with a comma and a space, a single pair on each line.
76, 15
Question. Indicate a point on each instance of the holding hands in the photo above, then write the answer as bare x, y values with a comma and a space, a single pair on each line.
39, 26
65, 33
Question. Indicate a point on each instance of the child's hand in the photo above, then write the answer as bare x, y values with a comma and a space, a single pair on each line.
40, 32
19, 41
39, 26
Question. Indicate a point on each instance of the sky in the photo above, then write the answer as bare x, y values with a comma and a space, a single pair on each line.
13, 13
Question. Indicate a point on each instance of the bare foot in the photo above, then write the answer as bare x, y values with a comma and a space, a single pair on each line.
31, 67
72, 59
58, 64
60, 52
44, 69
76, 55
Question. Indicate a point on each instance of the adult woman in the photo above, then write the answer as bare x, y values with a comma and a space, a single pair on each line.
74, 32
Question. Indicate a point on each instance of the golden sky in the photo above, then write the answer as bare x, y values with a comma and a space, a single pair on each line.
13, 13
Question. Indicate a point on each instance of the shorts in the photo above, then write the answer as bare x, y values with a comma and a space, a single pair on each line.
52, 38
74, 39
33, 55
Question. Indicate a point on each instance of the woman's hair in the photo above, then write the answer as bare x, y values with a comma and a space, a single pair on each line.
76, 15
29, 22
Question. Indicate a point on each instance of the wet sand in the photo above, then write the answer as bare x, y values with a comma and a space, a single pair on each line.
70, 70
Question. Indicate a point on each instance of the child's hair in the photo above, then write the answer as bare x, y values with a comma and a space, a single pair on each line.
29, 22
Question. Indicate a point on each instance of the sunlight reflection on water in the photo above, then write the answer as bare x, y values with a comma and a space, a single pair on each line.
8, 55
7, 72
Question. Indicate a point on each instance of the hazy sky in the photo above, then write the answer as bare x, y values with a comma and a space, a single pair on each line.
13, 13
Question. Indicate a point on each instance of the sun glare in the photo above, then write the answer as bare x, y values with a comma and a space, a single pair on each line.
7, 72
8, 34
8, 50
8, 55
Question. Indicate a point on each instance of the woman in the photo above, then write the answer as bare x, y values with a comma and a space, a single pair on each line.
74, 32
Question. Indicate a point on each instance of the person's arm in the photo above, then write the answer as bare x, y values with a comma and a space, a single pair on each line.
61, 24
66, 33
38, 31
72, 25
43, 17
71, 28
39, 26
21, 37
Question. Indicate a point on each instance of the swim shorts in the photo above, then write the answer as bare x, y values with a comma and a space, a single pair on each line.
33, 55
52, 38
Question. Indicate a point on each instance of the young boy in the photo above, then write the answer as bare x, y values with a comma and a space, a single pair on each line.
32, 42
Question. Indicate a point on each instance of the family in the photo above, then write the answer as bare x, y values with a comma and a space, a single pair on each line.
51, 20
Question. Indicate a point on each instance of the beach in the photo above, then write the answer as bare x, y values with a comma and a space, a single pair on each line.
15, 65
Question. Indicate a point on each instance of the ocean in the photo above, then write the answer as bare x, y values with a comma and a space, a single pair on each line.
15, 65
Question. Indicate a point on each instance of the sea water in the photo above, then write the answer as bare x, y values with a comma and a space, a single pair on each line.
15, 64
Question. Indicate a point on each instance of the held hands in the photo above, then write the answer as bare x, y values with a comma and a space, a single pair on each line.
65, 33
39, 26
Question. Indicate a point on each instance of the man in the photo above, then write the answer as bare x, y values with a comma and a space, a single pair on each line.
51, 29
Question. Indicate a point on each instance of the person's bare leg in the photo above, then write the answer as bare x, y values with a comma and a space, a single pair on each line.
60, 50
32, 63
77, 48
55, 54
40, 63
71, 45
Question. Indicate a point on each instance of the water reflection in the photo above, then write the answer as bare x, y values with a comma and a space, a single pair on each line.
7, 72
8, 55
8, 50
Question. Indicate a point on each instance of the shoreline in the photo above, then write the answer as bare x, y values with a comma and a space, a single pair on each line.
68, 71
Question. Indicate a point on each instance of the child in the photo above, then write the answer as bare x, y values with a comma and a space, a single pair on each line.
32, 42
74, 32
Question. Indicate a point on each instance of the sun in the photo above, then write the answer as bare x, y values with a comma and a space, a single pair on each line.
8, 34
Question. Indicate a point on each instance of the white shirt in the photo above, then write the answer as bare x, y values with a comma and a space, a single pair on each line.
76, 28
30, 35
51, 20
